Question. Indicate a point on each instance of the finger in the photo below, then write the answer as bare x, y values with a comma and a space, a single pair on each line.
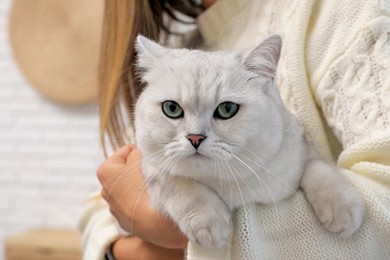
114, 165
134, 248
120, 155
107, 171
133, 156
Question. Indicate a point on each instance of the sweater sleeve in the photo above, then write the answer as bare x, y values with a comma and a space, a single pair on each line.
354, 95
99, 228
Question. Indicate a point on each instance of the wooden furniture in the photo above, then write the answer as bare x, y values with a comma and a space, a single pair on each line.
44, 244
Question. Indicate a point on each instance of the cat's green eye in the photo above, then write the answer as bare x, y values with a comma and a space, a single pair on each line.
172, 109
226, 110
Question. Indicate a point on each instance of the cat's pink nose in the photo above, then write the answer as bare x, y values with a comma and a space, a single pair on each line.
195, 139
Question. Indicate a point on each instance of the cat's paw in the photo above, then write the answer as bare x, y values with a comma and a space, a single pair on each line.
336, 203
340, 212
210, 226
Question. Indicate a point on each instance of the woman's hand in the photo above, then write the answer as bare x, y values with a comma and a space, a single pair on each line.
129, 248
124, 189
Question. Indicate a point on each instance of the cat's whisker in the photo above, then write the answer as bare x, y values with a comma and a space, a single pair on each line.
246, 182
218, 169
258, 178
230, 188
273, 174
238, 185
130, 166
262, 182
134, 207
139, 194
231, 193
122, 174
127, 170
268, 171
160, 166
282, 181
263, 165
146, 181
170, 166
135, 181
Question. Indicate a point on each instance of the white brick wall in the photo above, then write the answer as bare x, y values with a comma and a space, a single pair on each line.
48, 152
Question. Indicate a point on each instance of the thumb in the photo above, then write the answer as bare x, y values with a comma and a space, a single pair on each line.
134, 156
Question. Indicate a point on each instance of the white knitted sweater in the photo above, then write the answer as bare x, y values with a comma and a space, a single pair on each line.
334, 74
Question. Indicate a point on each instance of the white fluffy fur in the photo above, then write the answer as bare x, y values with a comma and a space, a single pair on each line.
259, 155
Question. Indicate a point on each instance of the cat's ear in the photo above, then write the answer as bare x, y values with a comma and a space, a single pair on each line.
263, 58
147, 51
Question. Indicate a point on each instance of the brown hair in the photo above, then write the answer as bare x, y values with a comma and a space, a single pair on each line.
118, 84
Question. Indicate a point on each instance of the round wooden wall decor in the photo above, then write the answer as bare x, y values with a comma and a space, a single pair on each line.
56, 44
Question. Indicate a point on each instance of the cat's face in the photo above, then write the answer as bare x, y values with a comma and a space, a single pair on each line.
198, 108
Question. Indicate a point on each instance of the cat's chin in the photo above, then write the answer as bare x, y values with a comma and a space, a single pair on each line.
198, 156
196, 160
193, 165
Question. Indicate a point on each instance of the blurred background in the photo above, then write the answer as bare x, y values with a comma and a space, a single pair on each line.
49, 147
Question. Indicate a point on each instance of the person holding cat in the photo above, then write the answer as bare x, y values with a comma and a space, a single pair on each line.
332, 74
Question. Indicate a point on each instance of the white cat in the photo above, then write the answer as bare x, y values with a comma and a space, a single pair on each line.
215, 135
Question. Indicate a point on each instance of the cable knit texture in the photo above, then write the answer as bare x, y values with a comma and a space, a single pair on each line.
334, 74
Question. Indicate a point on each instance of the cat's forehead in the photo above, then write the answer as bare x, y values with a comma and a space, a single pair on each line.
196, 78
203, 71
200, 70
196, 59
